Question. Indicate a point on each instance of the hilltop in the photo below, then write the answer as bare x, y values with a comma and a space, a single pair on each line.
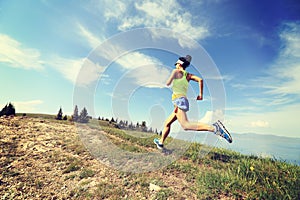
43, 158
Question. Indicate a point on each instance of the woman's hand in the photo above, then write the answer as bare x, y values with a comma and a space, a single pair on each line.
199, 97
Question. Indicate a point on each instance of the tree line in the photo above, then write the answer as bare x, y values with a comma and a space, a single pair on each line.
125, 125
83, 117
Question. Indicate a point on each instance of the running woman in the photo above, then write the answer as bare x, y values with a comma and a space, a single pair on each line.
180, 79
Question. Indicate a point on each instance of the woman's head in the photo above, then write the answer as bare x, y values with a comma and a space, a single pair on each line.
184, 61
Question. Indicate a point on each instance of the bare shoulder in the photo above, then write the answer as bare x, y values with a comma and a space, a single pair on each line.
177, 73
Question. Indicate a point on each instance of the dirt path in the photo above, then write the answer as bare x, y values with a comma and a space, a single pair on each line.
46, 159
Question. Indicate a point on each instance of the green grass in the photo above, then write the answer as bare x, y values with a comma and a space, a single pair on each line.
218, 174
226, 173
247, 177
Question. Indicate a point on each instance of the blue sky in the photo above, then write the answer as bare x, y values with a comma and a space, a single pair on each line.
255, 46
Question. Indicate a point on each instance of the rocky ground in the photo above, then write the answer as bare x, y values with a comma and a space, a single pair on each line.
45, 159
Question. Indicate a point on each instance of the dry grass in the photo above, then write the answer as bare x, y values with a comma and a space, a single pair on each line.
42, 158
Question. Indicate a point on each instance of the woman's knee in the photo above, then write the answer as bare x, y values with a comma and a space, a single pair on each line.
185, 126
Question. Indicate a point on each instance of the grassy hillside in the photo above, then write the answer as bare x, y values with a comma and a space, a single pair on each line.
42, 158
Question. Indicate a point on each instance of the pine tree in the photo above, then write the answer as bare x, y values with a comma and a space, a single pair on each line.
11, 109
8, 110
112, 120
83, 117
75, 114
59, 115
143, 126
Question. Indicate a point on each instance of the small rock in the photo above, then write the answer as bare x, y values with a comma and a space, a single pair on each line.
155, 188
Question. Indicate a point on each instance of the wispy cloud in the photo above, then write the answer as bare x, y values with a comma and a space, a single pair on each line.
284, 76
274, 96
79, 71
114, 9
141, 76
69, 68
282, 79
160, 14
259, 124
116, 53
17, 55
92, 40
136, 59
222, 77
283, 121
285, 73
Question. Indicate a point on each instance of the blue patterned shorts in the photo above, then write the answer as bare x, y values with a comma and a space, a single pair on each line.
182, 103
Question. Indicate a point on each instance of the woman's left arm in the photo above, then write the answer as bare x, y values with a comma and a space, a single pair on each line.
200, 82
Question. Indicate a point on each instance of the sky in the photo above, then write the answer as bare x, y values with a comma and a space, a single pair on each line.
114, 58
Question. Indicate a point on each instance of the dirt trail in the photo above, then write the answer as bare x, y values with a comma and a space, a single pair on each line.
46, 159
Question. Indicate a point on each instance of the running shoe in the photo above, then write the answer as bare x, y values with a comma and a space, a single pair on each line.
222, 131
158, 144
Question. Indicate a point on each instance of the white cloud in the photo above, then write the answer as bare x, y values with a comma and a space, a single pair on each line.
142, 77
80, 71
69, 68
159, 14
88, 36
90, 73
291, 37
136, 59
13, 53
27, 106
283, 121
114, 9
141, 67
284, 76
259, 123
169, 14
221, 77
277, 91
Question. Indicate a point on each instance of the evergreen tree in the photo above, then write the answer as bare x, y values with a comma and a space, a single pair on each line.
143, 126
83, 117
112, 120
131, 126
8, 110
65, 117
75, 114
59, 115
11, 109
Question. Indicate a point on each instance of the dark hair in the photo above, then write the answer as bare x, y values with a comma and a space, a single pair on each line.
185, 62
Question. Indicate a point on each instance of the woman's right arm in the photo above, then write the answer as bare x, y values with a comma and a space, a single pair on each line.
169, 81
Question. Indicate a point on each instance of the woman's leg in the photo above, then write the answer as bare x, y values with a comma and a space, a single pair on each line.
167, 127
196, 126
